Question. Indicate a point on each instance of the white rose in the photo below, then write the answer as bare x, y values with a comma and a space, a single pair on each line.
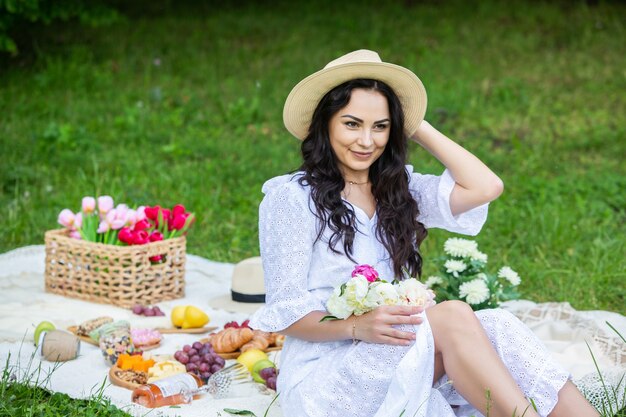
413, 293
381, 293
337, 305
355, 293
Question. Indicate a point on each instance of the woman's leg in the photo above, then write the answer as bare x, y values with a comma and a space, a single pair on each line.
464, 353
572, 403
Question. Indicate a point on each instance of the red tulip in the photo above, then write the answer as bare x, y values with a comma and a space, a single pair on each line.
142, 225
152, 212
140, 237
156, 259
155, 236
179, 221
178, 209
125, 235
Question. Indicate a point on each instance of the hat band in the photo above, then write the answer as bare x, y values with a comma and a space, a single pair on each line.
247, 298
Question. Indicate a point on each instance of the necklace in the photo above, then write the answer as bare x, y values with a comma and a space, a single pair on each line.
357, 183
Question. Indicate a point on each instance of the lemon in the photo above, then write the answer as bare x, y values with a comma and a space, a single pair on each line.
43, 326
194, 318
251, 357
178, 315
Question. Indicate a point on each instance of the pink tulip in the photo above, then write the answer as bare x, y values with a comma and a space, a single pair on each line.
89, 205
140, 214
116, 219
105, 204
67, 218
78, 220
75, 234
103, 227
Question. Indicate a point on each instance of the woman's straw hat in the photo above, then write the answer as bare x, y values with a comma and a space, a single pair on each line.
306, 95
247, 288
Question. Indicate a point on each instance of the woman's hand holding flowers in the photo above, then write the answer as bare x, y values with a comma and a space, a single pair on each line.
381, 324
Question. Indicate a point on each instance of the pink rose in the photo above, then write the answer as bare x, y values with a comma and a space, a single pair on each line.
367, 271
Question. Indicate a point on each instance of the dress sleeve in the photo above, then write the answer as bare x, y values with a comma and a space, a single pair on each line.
432, 193
286, 236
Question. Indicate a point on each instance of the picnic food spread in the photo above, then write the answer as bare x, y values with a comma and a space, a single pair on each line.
153, 377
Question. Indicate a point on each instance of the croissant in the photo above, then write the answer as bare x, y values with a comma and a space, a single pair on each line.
279, 339
260, 340
230, 339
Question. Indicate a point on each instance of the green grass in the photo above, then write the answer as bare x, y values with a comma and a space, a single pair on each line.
183, 105
23, 394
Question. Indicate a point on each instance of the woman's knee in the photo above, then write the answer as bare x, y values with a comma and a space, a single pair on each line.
452, 318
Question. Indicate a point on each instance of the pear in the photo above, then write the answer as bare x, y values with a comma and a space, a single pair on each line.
178, 315
194, 318
41, 327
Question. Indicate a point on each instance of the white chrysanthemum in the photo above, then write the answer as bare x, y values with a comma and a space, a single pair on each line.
482, 276
337, 305
460, 247
474, 292
411, 292
433, 280
478, 256
454, 267
507, 273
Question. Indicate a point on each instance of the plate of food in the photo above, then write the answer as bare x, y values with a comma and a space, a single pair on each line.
231, 342
194, 330
144, 339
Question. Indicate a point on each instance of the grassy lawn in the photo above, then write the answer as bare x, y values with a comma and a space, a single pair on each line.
183, 105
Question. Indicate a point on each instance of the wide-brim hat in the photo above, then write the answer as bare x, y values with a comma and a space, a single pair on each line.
247, 293
306, 95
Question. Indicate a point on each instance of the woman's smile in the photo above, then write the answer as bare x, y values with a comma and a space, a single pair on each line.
359, 133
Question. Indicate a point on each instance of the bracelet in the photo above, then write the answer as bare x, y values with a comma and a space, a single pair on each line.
354, 339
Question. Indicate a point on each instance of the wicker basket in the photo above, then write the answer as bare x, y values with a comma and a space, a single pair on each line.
119, 275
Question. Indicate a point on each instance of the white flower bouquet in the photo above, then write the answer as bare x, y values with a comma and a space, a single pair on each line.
463, 277
366, 290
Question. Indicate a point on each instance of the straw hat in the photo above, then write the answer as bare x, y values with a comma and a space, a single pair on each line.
247, 293
306, 95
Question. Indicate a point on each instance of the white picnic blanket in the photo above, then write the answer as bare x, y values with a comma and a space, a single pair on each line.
24, 303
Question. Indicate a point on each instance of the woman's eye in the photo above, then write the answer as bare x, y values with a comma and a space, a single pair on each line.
351, 124
381, 126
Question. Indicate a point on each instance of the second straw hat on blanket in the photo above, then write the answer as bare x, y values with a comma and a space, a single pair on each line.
306, 95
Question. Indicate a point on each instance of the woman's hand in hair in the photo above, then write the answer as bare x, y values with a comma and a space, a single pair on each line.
475, 185
380, 325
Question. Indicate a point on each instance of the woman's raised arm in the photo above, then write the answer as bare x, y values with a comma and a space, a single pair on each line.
475, 185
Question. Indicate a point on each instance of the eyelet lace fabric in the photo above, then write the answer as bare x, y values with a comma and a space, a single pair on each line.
339, 378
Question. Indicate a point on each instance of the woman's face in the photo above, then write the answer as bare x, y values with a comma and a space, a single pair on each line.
359, 133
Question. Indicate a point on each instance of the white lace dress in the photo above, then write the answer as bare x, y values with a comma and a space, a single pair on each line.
342, 379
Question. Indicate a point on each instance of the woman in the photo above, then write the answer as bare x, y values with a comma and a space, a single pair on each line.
355, 202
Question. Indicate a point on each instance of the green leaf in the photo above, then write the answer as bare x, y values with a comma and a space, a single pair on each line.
329, 318
342, 289
239, 412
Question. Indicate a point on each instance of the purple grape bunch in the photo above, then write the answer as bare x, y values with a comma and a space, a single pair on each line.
200, 359
269, 375
148, 311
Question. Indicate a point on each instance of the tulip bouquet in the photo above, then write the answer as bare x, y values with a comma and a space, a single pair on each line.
366, 290
101, 221
463, 277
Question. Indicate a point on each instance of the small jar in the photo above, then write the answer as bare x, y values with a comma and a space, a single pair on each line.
114, 339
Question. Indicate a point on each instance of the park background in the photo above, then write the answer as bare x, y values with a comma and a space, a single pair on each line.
165, 102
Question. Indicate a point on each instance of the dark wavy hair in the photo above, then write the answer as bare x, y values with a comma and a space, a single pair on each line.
398, 229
